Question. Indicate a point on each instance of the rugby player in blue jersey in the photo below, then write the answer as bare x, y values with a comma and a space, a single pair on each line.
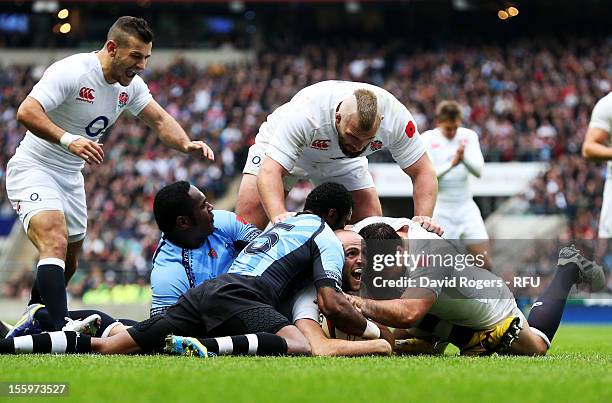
197, 244
237, 312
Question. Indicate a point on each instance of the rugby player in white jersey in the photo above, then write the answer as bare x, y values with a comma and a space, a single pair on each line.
471, 306
324, 134
596, 147
69, 109
455, 153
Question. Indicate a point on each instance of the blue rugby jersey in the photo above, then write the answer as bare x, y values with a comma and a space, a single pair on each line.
177, 269
300, 250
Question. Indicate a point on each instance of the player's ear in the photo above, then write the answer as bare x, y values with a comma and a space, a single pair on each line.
183, 222
338, 118
111, 47
331, 217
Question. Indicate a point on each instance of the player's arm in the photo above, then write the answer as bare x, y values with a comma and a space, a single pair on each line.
425, 185
594, 147
171, 133
337, 308
472, 157
32, 115
323, 346
271, 189
283, 151
400, 313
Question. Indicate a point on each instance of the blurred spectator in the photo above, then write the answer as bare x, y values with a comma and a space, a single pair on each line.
529, 101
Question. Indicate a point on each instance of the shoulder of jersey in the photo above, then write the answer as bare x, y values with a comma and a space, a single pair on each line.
78, 61
468, 132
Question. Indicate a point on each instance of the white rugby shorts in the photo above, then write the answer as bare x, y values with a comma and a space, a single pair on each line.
461, 221
33, 188
353, 173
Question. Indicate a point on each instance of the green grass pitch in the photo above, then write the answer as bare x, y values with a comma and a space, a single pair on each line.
577, 369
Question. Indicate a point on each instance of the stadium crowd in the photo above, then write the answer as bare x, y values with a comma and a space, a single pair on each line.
529, 101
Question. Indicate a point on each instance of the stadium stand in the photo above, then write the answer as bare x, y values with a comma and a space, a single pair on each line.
529, 101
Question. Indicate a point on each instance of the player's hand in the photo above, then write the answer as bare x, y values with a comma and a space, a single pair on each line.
428, 224
283, 216
198, 149
356, 301
459, 154
90, 151
385, 334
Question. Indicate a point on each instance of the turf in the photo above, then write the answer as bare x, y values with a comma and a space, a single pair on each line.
577, 369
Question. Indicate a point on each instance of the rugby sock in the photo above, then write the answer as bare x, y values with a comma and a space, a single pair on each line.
248, 344
55, 342
51, 285
546, 312
35, 297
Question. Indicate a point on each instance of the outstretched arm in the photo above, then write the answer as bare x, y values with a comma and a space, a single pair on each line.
400, 313
171, 133
323, 346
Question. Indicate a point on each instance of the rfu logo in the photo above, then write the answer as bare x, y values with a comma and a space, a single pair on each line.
86, 95
320, 144
123, 99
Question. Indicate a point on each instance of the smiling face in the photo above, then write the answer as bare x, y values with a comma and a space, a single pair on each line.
354, 260
127, 59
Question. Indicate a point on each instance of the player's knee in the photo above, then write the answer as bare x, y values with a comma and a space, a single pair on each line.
56, 246
540, 348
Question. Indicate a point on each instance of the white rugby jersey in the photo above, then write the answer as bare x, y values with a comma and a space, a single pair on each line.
453, 185
303, 132
601, 118
77, 98
464, 305
415, 231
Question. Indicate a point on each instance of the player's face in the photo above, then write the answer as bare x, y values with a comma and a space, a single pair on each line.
341, 221
354, 260
129, 60
351, 140
202, 213
449, 127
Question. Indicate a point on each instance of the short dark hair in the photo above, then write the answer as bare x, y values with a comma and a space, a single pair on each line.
379, 231
327, 196
127, 26
448, 111
380, 238
171, 202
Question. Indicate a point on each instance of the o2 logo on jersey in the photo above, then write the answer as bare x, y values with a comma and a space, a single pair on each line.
86, 95
97, 126
123, 99
410, 129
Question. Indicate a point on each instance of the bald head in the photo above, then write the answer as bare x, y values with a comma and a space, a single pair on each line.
348, 237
